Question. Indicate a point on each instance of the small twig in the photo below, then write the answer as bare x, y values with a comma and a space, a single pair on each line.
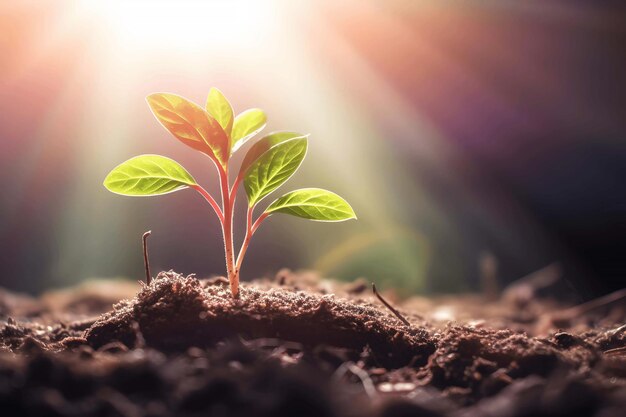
146, 264
612, 299
524, 289
488, 266
393, 310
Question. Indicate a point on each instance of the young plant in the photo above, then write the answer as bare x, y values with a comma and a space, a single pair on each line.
215, 132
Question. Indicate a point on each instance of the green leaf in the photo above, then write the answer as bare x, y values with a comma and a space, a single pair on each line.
147, 175
313, 204
263, 145
246, 125
218, 106
273, 168
191, 124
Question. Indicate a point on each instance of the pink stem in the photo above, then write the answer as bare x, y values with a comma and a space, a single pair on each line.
250, 229
204, 193
233, 191
246, 240
258, 221
227, 231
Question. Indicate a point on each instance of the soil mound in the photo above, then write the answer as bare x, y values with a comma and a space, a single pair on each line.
177, 312
296, 345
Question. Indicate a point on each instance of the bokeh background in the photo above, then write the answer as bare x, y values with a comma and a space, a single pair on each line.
459, 131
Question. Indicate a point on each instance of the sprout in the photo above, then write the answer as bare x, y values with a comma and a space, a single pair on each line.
215, 132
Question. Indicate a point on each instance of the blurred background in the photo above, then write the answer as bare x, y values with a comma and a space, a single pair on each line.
460, 131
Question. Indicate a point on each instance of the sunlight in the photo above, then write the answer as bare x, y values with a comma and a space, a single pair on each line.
187, 25
287, 57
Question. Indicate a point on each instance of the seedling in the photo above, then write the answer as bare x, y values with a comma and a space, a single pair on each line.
215, 132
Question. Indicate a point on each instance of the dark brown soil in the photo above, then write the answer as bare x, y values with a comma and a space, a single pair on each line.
295, 345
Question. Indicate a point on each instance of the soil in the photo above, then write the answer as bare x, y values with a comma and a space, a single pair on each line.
297, 345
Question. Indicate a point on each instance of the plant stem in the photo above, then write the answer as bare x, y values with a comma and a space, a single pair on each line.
250, 229
258, 221
229, 195
246, 240
233, 191
227, 231
204, 193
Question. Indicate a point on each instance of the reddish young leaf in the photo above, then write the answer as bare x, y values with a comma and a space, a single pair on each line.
191, 124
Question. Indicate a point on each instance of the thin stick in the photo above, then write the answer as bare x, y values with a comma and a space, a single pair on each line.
488, 266
614, 298
393, 310
146, 264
